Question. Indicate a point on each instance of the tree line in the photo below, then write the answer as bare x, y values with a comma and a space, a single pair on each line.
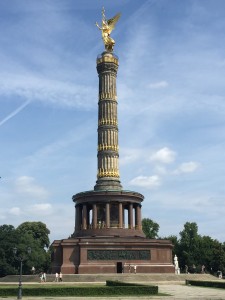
192, 249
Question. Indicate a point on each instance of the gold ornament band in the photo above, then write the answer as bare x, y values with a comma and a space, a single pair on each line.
111, 59
103, 147
108, 173
108, 122
107, 96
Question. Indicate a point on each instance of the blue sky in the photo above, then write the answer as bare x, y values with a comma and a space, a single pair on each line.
171, 109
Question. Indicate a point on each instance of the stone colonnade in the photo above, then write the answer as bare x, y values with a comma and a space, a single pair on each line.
108, 215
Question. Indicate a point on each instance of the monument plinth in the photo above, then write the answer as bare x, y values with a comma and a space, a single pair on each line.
108, 236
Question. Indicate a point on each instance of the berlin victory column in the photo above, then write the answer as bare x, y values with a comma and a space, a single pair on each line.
108, 236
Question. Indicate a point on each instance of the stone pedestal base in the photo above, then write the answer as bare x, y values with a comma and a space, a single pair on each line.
112, 255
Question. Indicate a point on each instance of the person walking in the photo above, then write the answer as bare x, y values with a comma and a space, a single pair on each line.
56, 277
129, 268
60, 276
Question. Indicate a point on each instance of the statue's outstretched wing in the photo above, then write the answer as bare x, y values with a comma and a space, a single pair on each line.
112, 22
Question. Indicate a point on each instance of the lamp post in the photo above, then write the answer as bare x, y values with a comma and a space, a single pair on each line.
20, 259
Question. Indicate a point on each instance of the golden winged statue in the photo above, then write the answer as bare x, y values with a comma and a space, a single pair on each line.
106, 29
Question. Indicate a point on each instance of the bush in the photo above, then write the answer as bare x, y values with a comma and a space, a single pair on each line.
122, 283
111, 289
215, 284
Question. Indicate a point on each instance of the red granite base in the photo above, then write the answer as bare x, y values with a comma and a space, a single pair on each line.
112, 255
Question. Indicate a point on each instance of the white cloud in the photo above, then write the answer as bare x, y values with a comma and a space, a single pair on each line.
52, 91
41, 209
26, 185
146, 181
16, 211
164, 155
160, 170
158, 85
187, 167
128, 156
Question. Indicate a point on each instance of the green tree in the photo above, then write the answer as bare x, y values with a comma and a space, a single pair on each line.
150, 228
22, 238
7, 242
189, 244
38, 230
176, 245
189, 235
193, 249
218, 260
207, 244
38, 233
39, 257
198, 250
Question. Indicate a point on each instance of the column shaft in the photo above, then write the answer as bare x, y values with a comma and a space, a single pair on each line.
94, 216
139, 221
130, 216
120, 215
84, 221
88, 218
77, 221
108, 149
107, 215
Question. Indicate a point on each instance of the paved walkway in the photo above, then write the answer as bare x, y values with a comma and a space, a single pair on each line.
177, 291
190, 292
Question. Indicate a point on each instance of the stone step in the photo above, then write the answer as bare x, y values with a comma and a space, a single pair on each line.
103, 277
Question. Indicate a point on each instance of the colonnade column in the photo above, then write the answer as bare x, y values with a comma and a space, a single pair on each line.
77, 219
123, 217
130, 216
120, 215
84, 220
94, 217
138, 214
107, 215
88, 218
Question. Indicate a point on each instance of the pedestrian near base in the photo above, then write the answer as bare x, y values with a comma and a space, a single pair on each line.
60, 276
56, 277
129, 268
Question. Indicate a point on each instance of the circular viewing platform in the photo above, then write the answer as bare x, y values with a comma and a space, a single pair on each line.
108, 213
